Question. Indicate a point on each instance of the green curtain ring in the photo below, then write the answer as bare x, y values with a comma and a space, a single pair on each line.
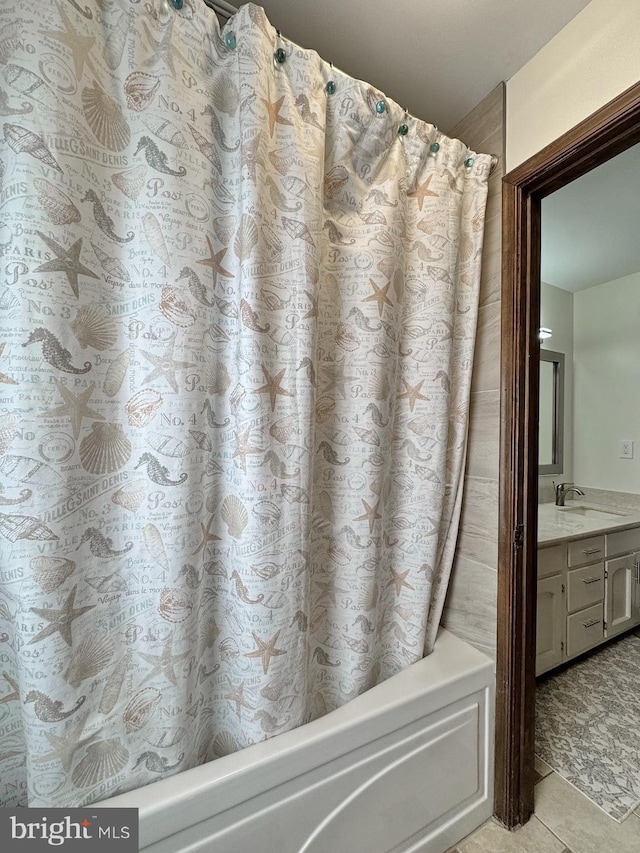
403, 130
434, 147
177, 4
280, 56
230, 40
330, 88
469, 162
380, 107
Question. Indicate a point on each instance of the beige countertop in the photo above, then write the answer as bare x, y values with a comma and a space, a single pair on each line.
556, 524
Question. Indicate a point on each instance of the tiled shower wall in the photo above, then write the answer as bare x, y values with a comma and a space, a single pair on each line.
470, 608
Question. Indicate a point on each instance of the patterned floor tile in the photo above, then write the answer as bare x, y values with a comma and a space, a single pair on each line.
588, 726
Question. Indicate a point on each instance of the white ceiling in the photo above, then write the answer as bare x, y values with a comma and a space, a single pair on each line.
437, 59
591, 227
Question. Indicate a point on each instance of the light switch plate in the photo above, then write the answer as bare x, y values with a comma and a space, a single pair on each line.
626, 449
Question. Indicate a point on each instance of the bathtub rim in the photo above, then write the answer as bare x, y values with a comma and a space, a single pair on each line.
454, 669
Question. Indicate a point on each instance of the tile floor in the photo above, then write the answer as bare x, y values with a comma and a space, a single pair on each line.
565, 821
588, 725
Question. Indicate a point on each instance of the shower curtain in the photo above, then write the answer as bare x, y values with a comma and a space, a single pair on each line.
237, 320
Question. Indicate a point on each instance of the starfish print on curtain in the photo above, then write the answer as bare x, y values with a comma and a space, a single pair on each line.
235, 363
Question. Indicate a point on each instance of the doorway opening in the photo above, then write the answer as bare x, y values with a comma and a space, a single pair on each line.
602, 136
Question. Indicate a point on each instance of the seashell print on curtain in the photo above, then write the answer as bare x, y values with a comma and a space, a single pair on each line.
237, 322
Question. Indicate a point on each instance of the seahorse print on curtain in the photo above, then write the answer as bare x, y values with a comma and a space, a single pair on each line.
237, 319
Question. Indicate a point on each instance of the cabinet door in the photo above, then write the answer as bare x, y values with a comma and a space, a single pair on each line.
635, 604
550, 623
619, 594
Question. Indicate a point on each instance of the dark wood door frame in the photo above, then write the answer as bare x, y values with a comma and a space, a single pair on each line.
606, 133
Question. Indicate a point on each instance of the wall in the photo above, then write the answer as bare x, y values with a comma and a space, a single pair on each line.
470, 608
607, 403
556, 313
588, 63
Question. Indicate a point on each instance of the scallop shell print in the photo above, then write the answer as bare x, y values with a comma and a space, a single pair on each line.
225, 95
140, 709
104, 117
235, 516
102, 760
131, 495
246, 237
58, 206
208, 633
105, 449
224, 744
89, 659
131, 181
93, 327
51, 572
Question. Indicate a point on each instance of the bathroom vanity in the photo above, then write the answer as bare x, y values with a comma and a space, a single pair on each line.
588, 579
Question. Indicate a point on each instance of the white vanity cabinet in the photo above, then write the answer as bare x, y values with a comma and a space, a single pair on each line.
551, 609
620, 605
550, 624
622, 597
588, 592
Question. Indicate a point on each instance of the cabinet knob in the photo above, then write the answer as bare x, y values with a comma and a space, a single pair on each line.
591, 623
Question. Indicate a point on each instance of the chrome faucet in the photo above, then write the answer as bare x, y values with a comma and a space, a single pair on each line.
563, 489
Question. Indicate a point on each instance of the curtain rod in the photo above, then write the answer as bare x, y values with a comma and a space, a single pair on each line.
226, 10
221, 7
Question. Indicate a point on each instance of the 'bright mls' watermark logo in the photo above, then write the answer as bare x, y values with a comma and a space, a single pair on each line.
86, 830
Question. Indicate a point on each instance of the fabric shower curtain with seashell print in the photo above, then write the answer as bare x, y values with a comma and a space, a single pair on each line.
237, 322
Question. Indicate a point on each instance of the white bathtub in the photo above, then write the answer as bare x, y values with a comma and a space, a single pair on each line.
406, 767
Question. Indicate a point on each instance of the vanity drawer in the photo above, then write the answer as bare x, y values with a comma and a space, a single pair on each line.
585, 551
623, 541
585, 586
585, 629
552, 560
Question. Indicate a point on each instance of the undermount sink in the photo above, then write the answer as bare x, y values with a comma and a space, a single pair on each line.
591, 512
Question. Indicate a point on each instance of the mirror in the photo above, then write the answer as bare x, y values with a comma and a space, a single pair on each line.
590, 299
551, 417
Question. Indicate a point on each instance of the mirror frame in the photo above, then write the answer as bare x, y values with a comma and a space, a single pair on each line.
557, 426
